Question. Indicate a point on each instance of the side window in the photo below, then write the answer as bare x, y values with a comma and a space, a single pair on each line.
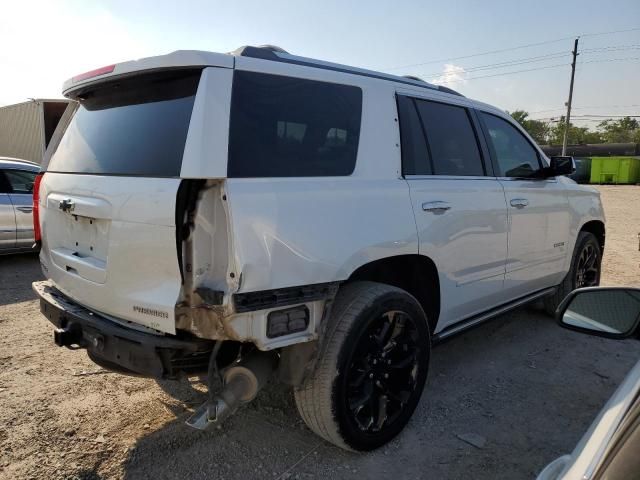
5, 187
291, 127
21, 181
415, 156
515, 156
451, 139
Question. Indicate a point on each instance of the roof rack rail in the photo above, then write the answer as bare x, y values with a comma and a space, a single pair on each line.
414, 77
444, 89
272, 48
277, 54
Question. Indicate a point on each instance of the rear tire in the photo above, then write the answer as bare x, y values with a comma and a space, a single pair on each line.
371, 370
585, 270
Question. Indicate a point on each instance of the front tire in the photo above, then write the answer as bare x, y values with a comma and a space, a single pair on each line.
372, 367
586, 264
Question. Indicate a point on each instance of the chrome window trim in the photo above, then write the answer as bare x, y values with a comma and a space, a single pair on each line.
449, 177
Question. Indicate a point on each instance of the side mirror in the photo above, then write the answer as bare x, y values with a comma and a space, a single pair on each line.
561, 166
612, 312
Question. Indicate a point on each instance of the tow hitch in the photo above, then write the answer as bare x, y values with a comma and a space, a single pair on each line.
241, 383
68, 336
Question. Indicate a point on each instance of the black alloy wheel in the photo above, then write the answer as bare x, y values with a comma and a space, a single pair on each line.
587, 272
383, 372
371, 369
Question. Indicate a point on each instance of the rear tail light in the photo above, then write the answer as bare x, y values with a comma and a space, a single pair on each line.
36, 208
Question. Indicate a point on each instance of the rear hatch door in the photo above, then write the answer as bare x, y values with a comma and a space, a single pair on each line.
108, 198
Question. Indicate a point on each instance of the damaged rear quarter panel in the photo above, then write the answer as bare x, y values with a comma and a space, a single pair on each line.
292, 231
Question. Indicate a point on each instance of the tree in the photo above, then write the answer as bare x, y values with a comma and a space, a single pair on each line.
519, 116
625, 130
538, 129
575, 136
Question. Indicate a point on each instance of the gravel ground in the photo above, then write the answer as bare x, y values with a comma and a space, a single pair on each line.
501, 401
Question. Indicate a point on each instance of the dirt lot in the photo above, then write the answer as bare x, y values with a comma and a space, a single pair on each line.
526, 387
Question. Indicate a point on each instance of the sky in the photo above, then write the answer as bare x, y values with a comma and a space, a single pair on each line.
44, 43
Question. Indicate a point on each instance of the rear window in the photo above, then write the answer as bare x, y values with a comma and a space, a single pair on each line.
19, 181
415, 156
136, 126
451, 139
291, 127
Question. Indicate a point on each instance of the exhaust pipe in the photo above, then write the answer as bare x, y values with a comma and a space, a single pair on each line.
241, 384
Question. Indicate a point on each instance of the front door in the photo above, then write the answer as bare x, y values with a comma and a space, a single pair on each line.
7, 221
538, 211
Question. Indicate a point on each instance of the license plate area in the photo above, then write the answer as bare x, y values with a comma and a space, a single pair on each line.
87, 237
79, 246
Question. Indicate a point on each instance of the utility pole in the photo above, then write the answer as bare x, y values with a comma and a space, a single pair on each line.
568, 119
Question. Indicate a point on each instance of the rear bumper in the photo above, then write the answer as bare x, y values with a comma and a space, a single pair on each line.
117, 347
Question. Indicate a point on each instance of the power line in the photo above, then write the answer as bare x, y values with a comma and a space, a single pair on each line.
575, 120
509, 73
610, 32
479, 54
519, 61
534, 69
509, 63
612, 48
594, 118
607, 116
612, 60
560, 114
491, 52
586, 106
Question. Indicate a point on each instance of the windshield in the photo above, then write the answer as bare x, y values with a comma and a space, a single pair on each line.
135, 126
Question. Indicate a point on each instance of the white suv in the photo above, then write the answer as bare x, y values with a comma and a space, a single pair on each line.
261, 215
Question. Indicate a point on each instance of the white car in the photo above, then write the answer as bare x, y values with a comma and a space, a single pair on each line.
258, 213
609, 449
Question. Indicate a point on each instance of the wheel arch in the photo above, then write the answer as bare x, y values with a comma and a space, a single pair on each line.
597, 228
414, 273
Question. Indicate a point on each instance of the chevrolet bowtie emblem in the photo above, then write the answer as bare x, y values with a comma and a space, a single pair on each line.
66, 205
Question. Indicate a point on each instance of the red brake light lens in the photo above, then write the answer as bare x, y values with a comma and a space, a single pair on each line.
37, 233
94, 73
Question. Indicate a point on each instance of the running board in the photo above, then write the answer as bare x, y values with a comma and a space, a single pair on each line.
468, 323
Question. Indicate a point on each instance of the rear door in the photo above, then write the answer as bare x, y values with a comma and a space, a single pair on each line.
459, 208
108, 197
21, 183
538, 210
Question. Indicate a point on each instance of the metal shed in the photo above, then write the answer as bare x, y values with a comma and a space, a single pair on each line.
26, 128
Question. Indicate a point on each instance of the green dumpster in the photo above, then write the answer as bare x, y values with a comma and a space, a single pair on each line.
583, 170
615, 170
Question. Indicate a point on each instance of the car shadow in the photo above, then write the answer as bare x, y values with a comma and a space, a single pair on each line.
522, 388
17, 273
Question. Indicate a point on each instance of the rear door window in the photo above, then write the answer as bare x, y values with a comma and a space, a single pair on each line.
291, 127
451, 139
135, 126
